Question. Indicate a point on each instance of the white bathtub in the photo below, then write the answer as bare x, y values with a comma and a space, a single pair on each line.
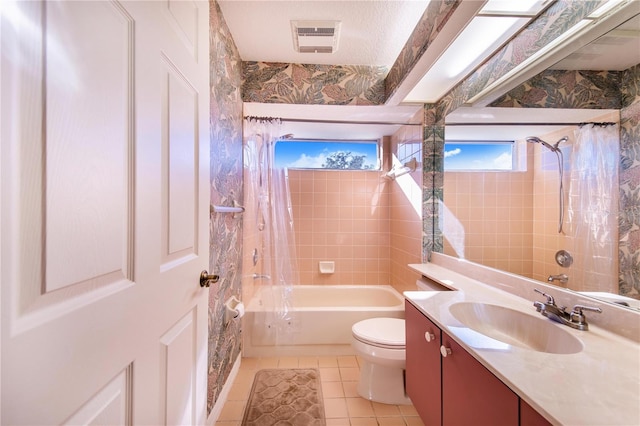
318, 319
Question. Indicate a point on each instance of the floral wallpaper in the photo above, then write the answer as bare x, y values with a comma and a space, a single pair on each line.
629, 221
429, 26
269, 82
566, 89
630, 84
225, 231
432, 182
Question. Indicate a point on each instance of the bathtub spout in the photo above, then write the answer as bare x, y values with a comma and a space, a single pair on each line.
261, 277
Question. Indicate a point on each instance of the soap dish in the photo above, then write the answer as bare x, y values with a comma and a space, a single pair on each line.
327, 267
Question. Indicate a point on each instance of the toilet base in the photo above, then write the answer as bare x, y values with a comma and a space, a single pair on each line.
382, 384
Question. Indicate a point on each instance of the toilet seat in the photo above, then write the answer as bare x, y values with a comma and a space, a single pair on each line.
381, 332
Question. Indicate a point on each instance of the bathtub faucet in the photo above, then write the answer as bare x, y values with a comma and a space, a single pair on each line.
563, 278
261, 277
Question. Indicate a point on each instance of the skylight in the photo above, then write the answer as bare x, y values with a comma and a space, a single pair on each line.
495, 24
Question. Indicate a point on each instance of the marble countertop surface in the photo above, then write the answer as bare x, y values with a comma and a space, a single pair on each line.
600, 385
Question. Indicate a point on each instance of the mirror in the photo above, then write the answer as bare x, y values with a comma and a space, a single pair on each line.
509, 220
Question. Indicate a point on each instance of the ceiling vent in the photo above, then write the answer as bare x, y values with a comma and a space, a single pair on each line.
315, 36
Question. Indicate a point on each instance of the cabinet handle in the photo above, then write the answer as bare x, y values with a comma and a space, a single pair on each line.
445, 351
428, 336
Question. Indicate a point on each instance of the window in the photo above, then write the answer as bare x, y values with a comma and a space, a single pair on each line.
481, 155
337, 155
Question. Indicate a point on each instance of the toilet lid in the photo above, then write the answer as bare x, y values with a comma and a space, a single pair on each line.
388, 332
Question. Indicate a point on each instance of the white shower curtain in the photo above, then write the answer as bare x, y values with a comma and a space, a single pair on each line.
274, 222
593, 207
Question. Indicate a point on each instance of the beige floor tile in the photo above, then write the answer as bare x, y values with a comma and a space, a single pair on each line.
268, 363
229, 423
347, 361
413, 421
245, 376
339, 377
390, 421
239, 391
327, 361
350, 389
288, 362
360, 407
408, 410
329, 374
364, 421
349, 374
335, 408
332, 390
249, 363
308, 362
338, 422
232, 410
385, 410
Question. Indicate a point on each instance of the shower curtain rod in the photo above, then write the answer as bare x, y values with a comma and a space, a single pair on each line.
583, 123
307, 120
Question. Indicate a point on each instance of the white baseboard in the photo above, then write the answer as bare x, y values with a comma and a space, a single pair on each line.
224, 394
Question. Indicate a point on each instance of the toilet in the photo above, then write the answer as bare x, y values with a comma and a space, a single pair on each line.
380, 343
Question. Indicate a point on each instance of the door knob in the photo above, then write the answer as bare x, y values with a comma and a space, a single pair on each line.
429, 336
206, 279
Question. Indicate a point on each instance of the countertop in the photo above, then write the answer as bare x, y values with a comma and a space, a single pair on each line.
599, 385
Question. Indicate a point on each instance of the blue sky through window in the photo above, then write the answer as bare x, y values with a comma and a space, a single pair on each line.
312, 154
478, 156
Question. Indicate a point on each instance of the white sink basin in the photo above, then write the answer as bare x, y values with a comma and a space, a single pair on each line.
516, 328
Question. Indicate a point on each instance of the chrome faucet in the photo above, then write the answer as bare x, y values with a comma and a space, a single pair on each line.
563, 278
574, 319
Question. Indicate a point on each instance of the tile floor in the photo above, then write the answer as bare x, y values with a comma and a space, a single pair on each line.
342, 405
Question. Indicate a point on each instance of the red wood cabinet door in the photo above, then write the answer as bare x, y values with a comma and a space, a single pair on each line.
423, 374
530, 417
471, 394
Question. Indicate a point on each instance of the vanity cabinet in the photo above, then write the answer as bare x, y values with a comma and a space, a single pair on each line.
471, 394
448, 386
530, 417
423, 374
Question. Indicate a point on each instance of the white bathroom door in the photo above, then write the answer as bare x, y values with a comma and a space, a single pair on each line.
104, 212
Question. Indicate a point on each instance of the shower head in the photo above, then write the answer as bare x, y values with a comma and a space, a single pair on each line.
563, 139
560, 157
535, 139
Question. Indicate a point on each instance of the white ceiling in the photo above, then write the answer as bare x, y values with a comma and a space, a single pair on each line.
351, 113
617, 50
373, 32
482, 116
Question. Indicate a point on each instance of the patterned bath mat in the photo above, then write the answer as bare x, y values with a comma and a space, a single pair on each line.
285, 397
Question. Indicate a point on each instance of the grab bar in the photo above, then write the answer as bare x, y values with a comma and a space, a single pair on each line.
225, 209
235, 209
